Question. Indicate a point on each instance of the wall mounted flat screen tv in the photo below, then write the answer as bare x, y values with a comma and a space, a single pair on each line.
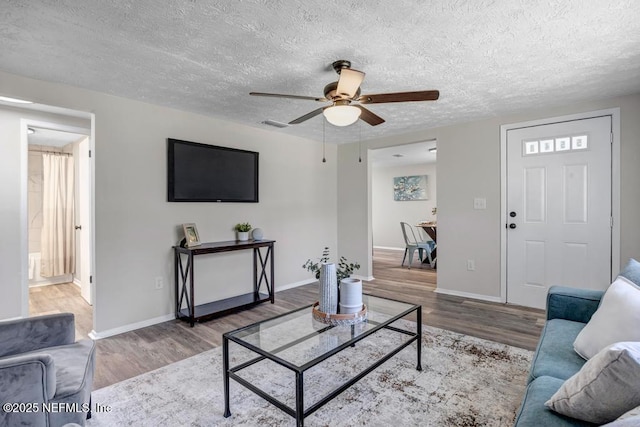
208, 173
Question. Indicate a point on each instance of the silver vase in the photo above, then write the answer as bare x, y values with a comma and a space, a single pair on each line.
328, 299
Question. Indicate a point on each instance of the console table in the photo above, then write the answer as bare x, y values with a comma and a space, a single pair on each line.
184, 267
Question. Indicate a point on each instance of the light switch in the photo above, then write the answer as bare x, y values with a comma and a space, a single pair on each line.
479, 203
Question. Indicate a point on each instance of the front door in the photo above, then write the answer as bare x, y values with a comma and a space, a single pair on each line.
559, 208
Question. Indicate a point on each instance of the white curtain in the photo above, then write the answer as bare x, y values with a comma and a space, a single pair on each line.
58, 232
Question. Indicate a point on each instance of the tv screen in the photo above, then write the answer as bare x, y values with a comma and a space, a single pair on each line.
208, 173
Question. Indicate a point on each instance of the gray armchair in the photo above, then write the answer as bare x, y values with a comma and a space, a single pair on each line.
44, 372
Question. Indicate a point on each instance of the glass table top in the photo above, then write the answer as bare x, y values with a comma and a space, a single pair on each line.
297, 338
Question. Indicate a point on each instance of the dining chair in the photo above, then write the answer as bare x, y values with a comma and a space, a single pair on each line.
412, 244
425, 238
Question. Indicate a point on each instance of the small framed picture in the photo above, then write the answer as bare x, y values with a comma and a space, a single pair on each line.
191, 234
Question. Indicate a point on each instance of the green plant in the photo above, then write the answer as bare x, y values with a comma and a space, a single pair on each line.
242, 227
343, 269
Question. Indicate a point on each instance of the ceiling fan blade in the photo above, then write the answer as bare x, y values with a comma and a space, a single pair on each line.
369, 117
279, 95
349, 82
424, 95
307, 116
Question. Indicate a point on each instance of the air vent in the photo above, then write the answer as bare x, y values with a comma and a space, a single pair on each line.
275, 124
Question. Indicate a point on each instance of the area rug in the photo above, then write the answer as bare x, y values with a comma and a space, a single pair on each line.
465, 381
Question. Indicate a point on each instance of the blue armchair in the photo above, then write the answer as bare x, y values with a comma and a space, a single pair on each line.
44, 372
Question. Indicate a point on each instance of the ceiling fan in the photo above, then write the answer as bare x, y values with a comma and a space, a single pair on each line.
346, 91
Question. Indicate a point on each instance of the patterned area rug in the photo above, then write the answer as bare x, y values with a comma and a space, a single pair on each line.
465, 381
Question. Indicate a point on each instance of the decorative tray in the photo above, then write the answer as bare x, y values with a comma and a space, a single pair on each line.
339, 319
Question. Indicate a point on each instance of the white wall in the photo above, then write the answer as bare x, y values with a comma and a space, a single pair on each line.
468, 167
135, 226
387, 213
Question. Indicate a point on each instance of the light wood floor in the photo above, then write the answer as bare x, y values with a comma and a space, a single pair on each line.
132, 353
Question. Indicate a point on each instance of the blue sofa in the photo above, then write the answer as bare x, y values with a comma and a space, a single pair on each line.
568, 311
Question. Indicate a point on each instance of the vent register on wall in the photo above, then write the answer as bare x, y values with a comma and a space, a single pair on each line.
209, 173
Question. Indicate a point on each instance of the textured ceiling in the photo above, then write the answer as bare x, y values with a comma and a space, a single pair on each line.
402, 155
486, 57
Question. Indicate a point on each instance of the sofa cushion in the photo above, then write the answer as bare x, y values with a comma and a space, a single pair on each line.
631, 271
616, 319
533, 413
606, 387
573, 304
555, 356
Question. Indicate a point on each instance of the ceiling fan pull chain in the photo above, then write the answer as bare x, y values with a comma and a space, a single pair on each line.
360, 143
324, 121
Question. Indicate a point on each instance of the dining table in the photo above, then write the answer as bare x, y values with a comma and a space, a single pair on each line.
431, 228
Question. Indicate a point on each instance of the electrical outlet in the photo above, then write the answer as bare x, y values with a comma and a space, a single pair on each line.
159, 283
471, 265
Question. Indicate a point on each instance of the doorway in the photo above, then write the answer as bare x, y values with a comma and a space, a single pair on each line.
59, 221
559, 206
413, 167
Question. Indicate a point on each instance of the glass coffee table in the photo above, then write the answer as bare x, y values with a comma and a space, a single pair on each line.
297, 342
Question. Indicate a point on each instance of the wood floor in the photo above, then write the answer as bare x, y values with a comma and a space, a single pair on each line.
132, 353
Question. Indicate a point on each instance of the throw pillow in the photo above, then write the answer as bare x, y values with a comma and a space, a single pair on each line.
631, 271
628, 419
606, 387
616, 319
625, 422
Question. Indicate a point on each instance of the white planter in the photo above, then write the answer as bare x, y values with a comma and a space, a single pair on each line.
350, 295
243, 236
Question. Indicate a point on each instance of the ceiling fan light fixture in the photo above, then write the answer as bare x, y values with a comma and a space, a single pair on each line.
342, 115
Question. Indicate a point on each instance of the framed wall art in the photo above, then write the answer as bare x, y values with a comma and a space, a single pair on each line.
408, 188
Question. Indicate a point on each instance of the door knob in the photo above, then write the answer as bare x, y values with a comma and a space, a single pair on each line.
512, 226
512, 214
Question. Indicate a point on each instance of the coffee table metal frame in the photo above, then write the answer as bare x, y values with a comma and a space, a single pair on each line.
299, 413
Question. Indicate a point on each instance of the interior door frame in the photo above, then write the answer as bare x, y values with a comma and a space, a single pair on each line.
614, 113
25, 123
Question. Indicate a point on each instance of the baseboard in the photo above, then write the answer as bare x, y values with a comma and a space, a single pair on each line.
468, 295
389, 248
58, 280
130, 327
77, 282
150, 322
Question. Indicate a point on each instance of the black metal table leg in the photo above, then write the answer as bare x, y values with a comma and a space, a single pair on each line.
192, 307
271, 250
225, 367
299, 399
176, 268
419, 340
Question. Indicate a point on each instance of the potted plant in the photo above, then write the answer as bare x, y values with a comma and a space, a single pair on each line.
243, 229
343, 269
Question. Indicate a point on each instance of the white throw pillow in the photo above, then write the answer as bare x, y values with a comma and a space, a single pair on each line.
606, 387
628, 419
616, 319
